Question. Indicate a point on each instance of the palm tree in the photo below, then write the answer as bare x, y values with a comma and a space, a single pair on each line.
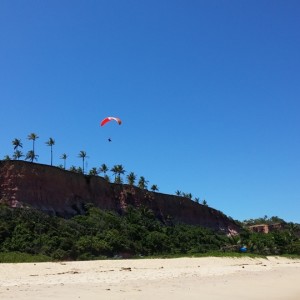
17, 154
82, 154
114, 170
64, 157
178, 193
103, 169
73, 169
17, 143
79, 170
131, 177
154, 188
204, 202
50, 143
93, 172
76, 170
31, 156
189, 195
117, 171
120, 169
33, 137
142, 184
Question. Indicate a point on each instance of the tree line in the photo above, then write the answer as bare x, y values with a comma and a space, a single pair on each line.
117, 170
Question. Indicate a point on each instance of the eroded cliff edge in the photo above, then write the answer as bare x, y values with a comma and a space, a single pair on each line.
66, 193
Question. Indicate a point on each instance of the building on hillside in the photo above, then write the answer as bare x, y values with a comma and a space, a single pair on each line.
266, 228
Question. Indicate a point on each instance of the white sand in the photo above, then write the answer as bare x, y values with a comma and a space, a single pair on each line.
181, 278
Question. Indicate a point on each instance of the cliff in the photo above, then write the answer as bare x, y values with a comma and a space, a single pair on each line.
64, 193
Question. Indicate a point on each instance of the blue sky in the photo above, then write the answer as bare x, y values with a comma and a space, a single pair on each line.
208, 92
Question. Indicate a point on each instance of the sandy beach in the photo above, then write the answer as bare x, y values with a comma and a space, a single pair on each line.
180, 278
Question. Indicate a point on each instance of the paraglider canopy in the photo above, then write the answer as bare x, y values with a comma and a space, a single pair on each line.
108, 119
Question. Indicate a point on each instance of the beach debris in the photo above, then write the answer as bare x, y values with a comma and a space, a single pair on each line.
125, 269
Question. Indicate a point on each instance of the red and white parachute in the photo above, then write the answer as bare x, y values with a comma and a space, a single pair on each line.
108, 119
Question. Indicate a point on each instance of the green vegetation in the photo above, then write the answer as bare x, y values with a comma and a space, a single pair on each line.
17, 257
264, 220
30, 235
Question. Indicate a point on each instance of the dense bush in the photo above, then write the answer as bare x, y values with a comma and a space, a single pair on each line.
102, 234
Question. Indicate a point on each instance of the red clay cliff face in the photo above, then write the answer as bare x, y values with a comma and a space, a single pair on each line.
65, 193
